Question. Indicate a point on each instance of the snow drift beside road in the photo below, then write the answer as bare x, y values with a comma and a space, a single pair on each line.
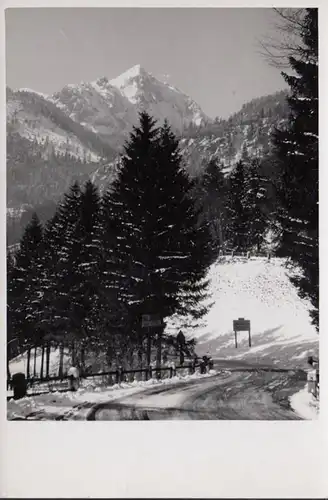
305, 405
258, 290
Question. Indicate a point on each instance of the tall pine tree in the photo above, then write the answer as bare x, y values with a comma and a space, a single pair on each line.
297, 153
254, 205
213, 199
238, 215
161, 255
25, 290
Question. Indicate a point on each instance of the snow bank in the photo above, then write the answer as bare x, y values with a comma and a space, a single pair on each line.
305, 405
258, 290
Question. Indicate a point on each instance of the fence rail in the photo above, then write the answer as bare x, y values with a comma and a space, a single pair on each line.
37, 386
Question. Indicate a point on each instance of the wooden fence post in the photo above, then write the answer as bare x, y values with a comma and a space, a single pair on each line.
171, 372
42, 362
150, 371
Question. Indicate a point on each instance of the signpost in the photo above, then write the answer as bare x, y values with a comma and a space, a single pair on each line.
152, 321
242, 325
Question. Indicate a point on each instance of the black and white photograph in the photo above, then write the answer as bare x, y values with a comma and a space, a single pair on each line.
162, 214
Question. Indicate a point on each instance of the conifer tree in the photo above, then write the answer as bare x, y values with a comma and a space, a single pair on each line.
237, 213
214, 185
254, 202
297, 152
161, 256
88, 232
26, 286
63, 254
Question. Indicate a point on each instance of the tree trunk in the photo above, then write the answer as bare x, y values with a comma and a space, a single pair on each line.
140, 357
220, 232
159, 353
34, 364
148, 347
48, 351
28, 362
82, 358
42, 362
73, 353
61, 359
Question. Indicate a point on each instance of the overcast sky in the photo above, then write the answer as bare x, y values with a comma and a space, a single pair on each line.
210, 54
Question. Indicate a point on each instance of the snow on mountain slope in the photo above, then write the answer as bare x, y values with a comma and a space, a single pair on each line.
161, 100
29, 115
98, 106
258, 290
111, 108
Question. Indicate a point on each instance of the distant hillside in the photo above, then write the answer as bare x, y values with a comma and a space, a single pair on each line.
249, 130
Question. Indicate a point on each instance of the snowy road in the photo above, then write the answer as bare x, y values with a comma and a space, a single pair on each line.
236, 390
239, 395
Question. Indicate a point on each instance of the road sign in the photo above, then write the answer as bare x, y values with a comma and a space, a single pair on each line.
151, 321
242, 325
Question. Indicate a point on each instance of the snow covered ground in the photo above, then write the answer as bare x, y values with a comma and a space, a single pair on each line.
258, 290
18, 364
305, 404
78, 403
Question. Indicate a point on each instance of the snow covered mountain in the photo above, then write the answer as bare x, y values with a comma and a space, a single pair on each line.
78, 133
111, 107
32, 116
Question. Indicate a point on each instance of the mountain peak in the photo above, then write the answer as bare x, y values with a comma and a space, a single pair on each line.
133, 72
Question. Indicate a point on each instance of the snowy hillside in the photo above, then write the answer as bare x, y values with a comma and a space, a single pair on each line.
249, 131
30, 117
258, 290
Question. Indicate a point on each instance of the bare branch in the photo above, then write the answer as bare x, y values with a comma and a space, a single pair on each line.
286, 42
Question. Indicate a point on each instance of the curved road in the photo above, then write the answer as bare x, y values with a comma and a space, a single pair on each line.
243, 394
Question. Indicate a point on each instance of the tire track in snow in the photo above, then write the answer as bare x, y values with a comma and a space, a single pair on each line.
239, 396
